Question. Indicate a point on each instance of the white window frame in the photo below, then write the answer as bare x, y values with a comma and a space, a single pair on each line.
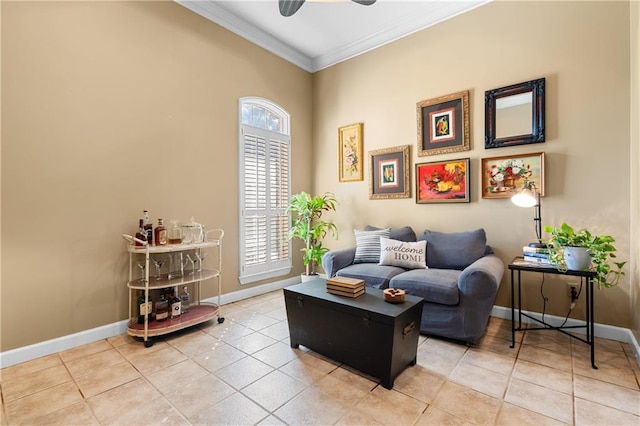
250, 273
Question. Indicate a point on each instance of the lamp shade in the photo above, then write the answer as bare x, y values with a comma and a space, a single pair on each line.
526, 197
529, 197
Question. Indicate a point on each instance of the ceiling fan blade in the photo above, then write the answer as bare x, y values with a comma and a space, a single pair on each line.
364, 2
289, 7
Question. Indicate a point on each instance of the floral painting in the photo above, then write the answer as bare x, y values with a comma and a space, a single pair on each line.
442, 182
350, 153
502, 177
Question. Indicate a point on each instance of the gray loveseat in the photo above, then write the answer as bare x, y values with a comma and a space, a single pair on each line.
458, 284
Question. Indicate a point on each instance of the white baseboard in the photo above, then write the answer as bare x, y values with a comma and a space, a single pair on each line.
27, 353
37, 350
605, 331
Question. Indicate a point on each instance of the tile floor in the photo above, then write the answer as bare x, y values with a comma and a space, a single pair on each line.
244, 372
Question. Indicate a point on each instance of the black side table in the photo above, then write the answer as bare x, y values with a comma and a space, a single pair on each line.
516, 267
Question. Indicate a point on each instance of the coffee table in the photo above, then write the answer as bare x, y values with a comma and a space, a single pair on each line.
366, 333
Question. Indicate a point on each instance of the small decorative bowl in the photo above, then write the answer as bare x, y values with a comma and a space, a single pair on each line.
393, 295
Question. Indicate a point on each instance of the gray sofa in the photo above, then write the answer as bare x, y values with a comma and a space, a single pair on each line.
458, 284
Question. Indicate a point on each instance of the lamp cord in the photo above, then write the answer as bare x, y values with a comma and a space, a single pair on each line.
544, 300
566, 318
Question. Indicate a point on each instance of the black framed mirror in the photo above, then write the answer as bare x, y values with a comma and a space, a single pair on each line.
514, 115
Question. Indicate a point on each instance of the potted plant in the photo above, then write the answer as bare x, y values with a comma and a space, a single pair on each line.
308, 226
598, 248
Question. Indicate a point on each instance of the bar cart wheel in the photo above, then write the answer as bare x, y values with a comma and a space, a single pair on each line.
220, 320
148, 343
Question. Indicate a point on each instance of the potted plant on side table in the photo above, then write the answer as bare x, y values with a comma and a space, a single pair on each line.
308, 227
581, 250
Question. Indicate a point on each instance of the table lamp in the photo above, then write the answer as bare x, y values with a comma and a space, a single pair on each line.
530, 197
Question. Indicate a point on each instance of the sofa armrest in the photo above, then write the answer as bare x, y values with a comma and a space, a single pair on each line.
334, 260
481, 279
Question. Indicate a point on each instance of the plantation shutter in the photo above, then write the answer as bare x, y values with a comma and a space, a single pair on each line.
255, 201
265, 222
279, 200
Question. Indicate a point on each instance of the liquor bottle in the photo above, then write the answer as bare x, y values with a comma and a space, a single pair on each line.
162, 308
148, 227
176, 308
175, 233
185, 300
144, 308
141, 234
160, 234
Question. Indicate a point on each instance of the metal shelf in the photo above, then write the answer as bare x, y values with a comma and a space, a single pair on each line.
198, 312
164, 281
170, 248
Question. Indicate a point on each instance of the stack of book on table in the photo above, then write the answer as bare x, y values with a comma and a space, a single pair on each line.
538, 255
345, 286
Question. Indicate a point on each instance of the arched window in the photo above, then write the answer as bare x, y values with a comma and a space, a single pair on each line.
265, 154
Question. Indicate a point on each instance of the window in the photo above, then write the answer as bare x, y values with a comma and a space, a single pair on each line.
265, 152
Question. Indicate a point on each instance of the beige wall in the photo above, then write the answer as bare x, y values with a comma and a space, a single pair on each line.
92, 90
109, 108
583, 51
635, 166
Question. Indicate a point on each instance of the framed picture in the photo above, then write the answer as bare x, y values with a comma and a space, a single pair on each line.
502, 177
389, 173
350, 153
443, 124
443, 182
514, 115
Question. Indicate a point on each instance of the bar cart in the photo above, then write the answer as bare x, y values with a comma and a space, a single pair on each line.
199, 311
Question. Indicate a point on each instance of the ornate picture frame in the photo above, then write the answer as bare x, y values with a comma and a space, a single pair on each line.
515, 115
389, 173
443, 124
443, 182
503, 177
350, 159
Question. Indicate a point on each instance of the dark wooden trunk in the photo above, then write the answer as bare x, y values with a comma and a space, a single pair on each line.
366, 333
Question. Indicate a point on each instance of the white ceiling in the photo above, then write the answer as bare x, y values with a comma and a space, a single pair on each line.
325, 32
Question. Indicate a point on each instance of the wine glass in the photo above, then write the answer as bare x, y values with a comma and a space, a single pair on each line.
193, 261
200, 256
142, 264
158, 262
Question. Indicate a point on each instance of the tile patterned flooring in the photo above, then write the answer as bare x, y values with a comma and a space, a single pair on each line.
244, 372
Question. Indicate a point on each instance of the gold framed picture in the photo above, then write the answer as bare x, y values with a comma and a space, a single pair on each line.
443, 124
389, 173
350, 153
504, 176
443, 182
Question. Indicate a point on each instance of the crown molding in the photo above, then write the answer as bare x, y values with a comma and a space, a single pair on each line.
402, 27
214, 13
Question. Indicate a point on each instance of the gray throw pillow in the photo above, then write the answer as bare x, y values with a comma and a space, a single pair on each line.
368, 245
405, 233
454, 250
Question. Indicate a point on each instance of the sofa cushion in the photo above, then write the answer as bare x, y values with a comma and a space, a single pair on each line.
376, 276
406, 233
368, 245
403, 254
454, 250
433, 285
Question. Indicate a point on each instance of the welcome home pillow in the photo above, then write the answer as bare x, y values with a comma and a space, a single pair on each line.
368, 245
403, 254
